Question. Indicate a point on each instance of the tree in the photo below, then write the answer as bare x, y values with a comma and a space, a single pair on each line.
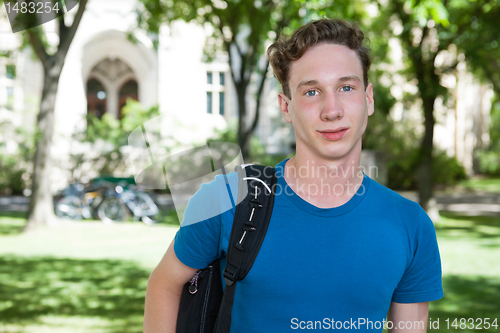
41, 206
430, 27
244, 27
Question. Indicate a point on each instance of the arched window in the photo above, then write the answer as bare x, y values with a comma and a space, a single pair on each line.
128, 90
96, 98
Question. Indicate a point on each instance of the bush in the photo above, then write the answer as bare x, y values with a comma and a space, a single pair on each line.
489, 162
100, 145
489, 159
402, 171
11, 175
446, 170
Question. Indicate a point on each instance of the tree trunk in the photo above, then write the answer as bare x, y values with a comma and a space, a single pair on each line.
41, 208
424, 170
243, 138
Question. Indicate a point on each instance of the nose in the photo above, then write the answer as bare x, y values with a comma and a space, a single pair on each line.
331, 108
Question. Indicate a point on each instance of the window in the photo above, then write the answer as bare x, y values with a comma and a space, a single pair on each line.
11, 71
216, 92
129, 90
209, 102
221, 103
10, 98
96, 98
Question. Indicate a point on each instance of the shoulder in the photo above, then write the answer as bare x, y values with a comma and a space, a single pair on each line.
397, 207
211, 198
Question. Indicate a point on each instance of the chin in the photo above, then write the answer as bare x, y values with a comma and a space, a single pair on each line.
337, 153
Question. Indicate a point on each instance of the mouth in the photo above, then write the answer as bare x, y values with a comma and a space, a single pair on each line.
335, 134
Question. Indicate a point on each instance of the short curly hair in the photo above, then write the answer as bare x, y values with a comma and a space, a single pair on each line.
286, 50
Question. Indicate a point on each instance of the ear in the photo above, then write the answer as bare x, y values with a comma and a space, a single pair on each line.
284, 102
369, 99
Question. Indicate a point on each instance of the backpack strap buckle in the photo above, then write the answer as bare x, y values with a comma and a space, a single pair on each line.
230, 274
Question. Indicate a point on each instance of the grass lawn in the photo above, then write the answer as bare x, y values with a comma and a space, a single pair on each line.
77, 277
470, 255
89, 277
484, 184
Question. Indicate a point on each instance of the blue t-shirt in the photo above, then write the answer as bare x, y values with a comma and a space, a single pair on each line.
320, 268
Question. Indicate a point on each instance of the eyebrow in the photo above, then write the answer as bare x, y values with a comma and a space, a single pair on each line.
342, 79
307, 83
350, 78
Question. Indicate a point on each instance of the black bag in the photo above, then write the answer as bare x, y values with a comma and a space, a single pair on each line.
204, 307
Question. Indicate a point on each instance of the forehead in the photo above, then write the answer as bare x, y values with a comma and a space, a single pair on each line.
325, 63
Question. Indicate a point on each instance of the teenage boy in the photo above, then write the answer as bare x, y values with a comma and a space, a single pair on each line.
341, 251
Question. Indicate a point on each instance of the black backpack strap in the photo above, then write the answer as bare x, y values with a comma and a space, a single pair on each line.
251, 220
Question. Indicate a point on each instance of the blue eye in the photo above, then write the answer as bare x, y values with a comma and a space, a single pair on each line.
346, 88
311, 93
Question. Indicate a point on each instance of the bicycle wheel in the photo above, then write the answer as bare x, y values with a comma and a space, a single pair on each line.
112, 210
69, 207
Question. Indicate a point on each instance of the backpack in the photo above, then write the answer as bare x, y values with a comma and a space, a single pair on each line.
204, 306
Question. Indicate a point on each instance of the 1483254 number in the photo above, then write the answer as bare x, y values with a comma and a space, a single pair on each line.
472, 323
42, 7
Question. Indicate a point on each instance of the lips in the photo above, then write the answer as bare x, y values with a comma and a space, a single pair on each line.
335, 134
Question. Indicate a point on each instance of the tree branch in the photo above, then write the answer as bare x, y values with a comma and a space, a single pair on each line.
65, 43
259, 97
37, 45
63, 28
230, 60
450, 68
425, 30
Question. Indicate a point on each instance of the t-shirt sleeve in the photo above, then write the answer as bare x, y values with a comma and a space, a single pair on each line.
197, 242
422, 280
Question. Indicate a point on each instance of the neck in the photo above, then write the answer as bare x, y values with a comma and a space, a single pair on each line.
323, 181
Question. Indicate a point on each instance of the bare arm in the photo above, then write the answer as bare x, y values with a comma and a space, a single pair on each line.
408, 318
163, 293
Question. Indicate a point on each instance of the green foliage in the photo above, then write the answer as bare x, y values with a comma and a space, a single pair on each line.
495, 124
489, 159
104, 140
11, 175
402, 170
425, 29
11, 71
446, 170
399, 143
489, 162
15, 166
476, 35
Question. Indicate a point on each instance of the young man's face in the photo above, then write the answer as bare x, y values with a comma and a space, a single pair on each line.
329, 107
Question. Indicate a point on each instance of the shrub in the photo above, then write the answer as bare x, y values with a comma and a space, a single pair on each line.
489, 162
11, 175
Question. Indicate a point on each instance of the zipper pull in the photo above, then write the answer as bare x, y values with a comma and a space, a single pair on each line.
193, 288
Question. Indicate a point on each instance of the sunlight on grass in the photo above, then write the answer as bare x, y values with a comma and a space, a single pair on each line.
93, 240
470, 246
481, 184
470, 252
12, 222
76, 324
